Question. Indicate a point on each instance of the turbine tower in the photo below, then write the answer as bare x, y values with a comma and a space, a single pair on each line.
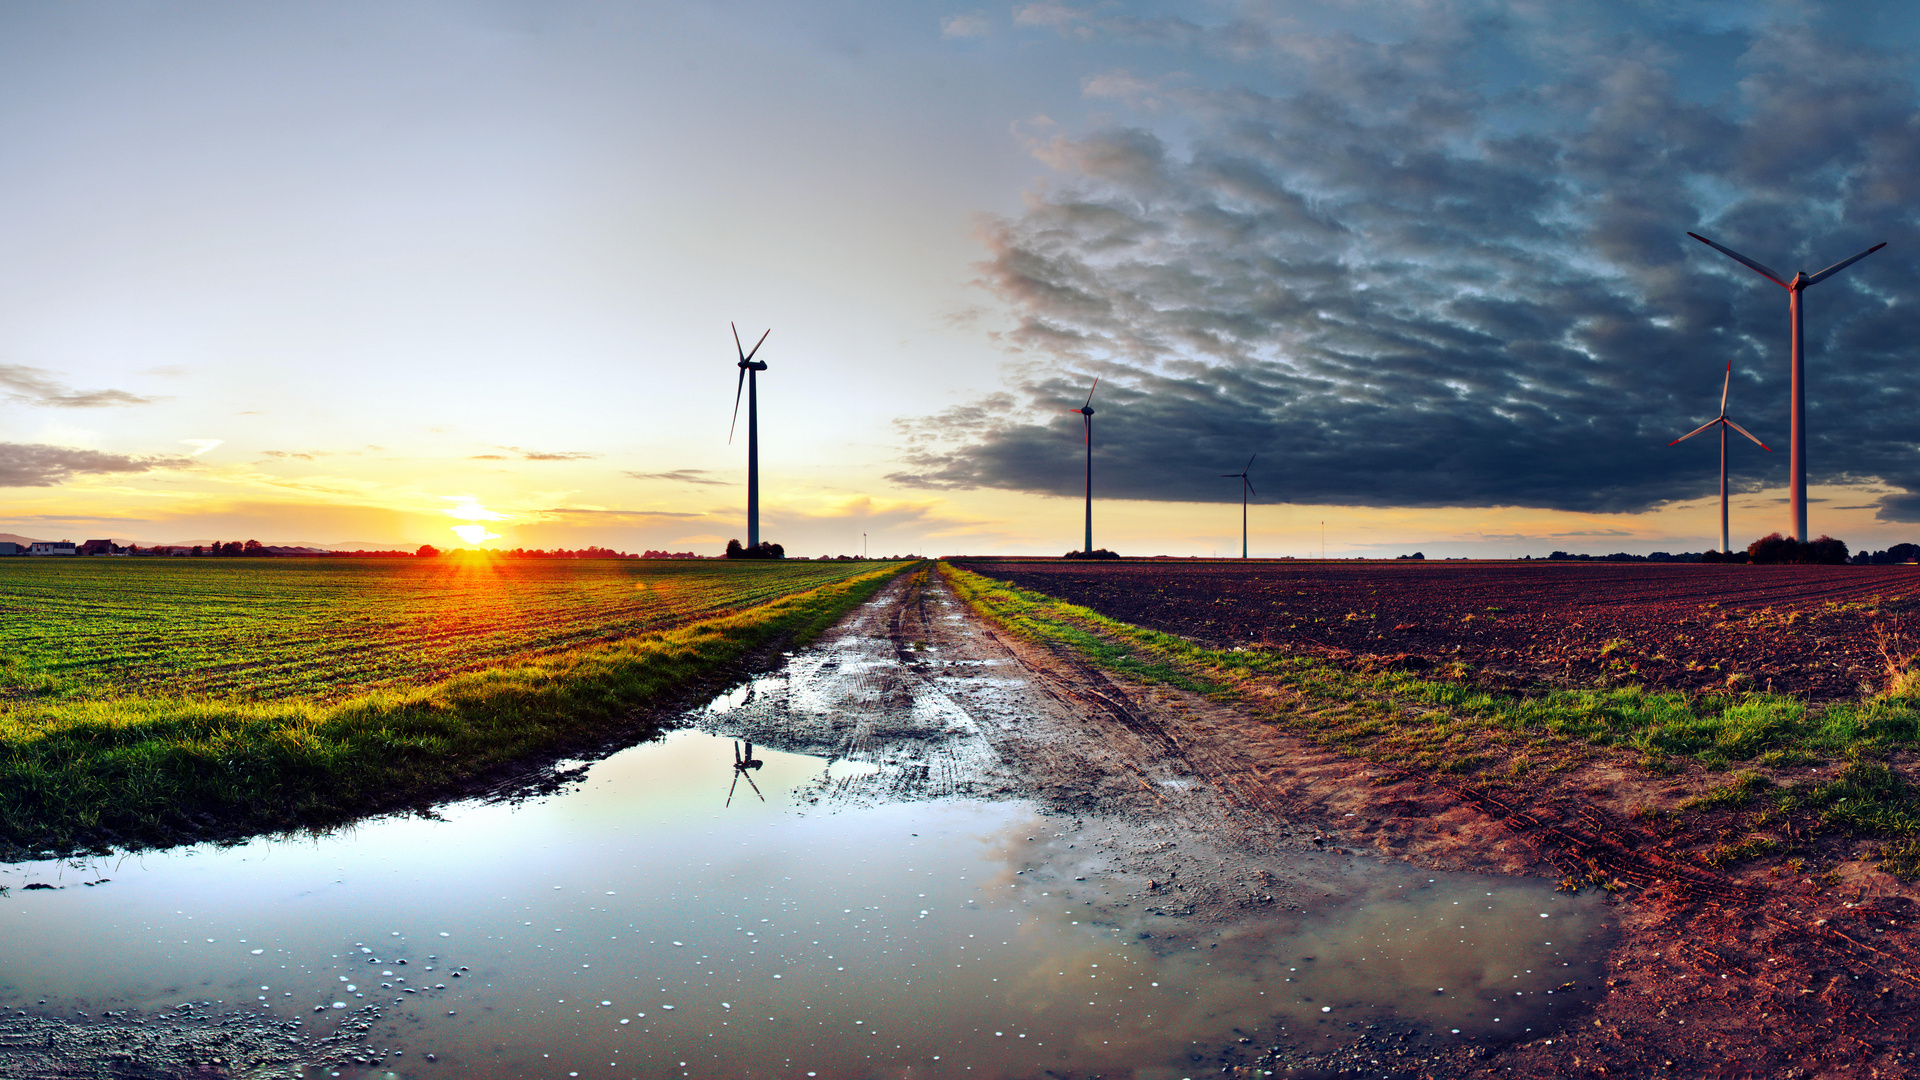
1797, 429
1086, 417
1246, 486
1724, 423
749, 367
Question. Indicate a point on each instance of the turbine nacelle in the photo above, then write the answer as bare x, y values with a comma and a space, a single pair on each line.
1087, 409
747, 363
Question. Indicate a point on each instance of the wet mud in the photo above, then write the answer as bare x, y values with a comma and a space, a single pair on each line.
1186, 823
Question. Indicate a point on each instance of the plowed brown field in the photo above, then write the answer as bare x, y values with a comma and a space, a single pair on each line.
1815, 631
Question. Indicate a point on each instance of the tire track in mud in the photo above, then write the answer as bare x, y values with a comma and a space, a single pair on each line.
917, 697
1771, 980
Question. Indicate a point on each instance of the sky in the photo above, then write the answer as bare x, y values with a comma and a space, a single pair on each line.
364, 274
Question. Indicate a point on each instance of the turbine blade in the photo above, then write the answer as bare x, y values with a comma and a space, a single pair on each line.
1249, 484
757, 344
1096, 386
1249, 463
1743, 260
737, 387
1843, 264
1695, 431
1228, 475
1724, 387
1749, 435
736, 343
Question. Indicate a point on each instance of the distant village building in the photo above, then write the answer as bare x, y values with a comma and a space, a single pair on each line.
8, 547
51, 547
97, 547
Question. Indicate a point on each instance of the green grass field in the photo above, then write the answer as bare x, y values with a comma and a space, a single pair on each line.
148, 703
324, 629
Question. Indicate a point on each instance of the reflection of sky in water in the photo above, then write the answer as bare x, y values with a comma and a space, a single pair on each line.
633, 924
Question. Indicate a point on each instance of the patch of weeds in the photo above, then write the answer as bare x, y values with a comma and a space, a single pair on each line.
1902, 858
1754, 847
1732, 795
1656, 763
1866, 797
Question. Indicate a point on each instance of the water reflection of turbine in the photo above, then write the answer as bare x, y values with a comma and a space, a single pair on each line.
741, 763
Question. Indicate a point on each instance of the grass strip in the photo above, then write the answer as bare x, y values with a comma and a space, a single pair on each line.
137, 772
1448, 725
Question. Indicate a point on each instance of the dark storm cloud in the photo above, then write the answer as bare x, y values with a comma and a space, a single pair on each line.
32, 386
39, 465
1403, 285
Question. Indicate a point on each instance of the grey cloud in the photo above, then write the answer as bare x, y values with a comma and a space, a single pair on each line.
1403, 287
623, 515
40, 465
970, 25
684, 476
32, 386
538, 455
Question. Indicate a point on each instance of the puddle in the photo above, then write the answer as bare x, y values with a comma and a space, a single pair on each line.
878, 905
639, 926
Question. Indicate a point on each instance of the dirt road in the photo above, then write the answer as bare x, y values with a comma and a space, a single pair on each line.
1209, 813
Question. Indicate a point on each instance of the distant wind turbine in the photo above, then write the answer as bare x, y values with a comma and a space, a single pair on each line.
749, 367
1246, 486
1086, 417
1724, 423
1797, 430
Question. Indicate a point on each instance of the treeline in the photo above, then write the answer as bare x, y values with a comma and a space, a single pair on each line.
255, 549
582, 553
1773, 549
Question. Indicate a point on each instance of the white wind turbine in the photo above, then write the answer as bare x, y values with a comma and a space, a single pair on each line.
1724, 422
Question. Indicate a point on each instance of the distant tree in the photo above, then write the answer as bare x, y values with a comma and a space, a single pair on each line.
1776, 549
735, 551
1772, 549
1826, 551
1709, 556
253, 547
1096, 553
198, 550
427, 551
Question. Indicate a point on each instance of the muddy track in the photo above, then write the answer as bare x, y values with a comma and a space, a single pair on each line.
1720, 972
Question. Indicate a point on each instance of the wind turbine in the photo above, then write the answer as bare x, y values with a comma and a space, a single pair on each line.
1797, 431
1724, 423
749, 367
1246, 486
1086, 417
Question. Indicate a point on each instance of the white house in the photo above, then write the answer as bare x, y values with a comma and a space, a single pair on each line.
51, 547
